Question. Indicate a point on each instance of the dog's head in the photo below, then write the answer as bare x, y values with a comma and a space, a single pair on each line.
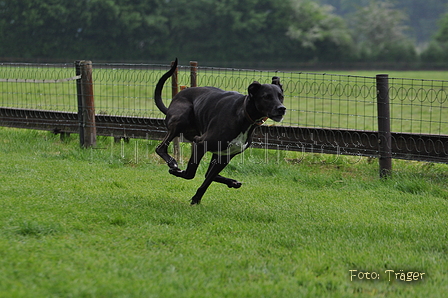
268, 99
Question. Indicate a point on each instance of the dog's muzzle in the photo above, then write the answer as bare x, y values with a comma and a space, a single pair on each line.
278, 113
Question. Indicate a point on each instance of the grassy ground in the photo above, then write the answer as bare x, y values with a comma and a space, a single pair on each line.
111, 222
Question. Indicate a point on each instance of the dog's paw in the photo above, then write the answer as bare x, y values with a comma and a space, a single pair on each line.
176, 172
180, 173
234, 184
172, 163
195, 201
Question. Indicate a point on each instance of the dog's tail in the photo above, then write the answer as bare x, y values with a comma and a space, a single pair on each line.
159, 87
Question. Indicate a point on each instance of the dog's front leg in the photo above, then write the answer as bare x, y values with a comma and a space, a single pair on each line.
231, 183
216, 166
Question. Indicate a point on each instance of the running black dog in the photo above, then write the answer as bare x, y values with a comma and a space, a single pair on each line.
218, 121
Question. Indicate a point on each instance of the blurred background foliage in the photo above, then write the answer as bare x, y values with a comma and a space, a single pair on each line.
246, 33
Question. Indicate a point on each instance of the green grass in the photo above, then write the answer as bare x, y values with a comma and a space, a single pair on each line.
111, 222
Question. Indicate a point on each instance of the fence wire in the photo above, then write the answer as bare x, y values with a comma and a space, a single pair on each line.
419, 106
126, 89
342, 101
38, 86
329, 102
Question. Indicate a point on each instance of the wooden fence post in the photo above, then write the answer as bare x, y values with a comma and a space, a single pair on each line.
384, 135
174, 91
193, 73
86, 104
174, 84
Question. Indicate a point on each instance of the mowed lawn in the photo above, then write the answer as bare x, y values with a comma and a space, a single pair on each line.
111, 222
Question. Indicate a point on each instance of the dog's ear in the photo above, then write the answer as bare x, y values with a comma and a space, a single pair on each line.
253, 88
276, 81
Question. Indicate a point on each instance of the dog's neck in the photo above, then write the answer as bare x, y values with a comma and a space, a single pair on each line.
258, 120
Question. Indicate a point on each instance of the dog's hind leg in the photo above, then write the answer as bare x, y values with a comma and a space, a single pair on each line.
162, 149
175, 124
216, 166
197, 152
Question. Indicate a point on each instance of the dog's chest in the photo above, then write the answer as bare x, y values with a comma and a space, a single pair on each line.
235, 146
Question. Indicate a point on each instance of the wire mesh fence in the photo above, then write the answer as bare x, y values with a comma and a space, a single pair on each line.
38, 86
419, 106
313, 100
126, 90
325, 105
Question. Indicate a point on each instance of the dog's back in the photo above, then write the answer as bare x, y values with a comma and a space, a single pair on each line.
204, 107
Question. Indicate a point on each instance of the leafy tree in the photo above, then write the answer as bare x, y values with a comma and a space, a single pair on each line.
257, 30
442, 33
422, 14
437, 50
228, 30
379, 33
91, 29
37, 28
206, 30
318, 30
126, 29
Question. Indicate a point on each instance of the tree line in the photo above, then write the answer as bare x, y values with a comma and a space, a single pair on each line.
421, 16
222, 32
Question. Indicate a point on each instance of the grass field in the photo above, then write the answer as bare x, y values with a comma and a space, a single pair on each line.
111, 222
339, 100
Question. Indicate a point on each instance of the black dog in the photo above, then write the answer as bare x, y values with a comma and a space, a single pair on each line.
218, 121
